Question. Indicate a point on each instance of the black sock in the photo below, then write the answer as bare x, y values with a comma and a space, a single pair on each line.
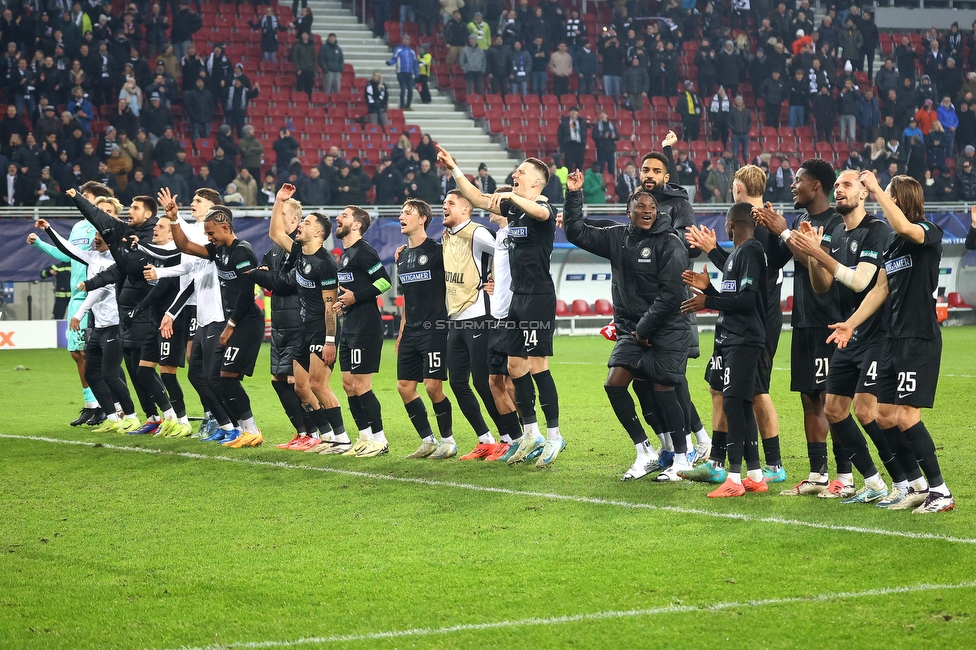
649, 407
770, 451
371, 407
854, 446
335, 420
720, 441
735, 414
623, 407
151, 383
445, 417
175, 392
692, 419
903, 453
291, 404
921, 441
842, 457
674, 419
307, 418
548, 398
525, 398
418, 417
817, 451
237, 400
885, 453
510, 424
750, 450
358, 413
321, 420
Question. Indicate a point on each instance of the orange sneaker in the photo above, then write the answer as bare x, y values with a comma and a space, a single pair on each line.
501, 448
482, 450
754, 486
308, 443
287, 445
727, 489
298, 442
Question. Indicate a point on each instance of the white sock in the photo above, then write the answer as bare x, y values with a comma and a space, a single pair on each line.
343, 438
507, 439
940, 489
380, 437
716, 464
552, 433
91, 405
702, 437
681, 461
227, 427
118, 407
874, 482
114, 417
329, 436
531, 430
735, 478
847, 479
249, 426
816, 477
131, 416
919, 484
184, 420
665, 439
428, 440
755, 475
645, 451
689, 445
315, 434
486, 438
449, 439
169, 414
154, 418
901, 485
366, 434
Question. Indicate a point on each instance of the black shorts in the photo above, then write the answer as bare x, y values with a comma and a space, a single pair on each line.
191, 315
423, 355
531, 325
740, 375
497, 360
286, 347
908, 372
855, 370
715, 371
140, 332
311, 346
151, 349
359, 354
654, 364
810, 359
243, 346
772, 343
172, 351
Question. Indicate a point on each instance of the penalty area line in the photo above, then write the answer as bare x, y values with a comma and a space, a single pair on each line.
595, 616
597, 501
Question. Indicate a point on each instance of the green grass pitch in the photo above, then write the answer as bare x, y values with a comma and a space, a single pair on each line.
101, 546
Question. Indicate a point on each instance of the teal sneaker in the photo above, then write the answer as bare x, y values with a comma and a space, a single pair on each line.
549, 452
867, 495
705, 473
512, 450
774, 474
528, 445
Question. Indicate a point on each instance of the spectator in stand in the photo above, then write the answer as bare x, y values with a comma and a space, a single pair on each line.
849, 42
155, 119
428, 185
177, 186
585, 67
222, 168
719, 111
935, 142
220, 70
499, 67
925, 117
285, 148
690, 110
428, 16
332, 61
876, 155
966, 131
269, 26
966, 182
248, 187
142, 153
303, 56
935, 62
80, 107
202, 179
627, 182
824, 111
46, 192
252, 152
799, 94
473, 65
509, 28
238, 99
864, 20
483, 181
906, 56
887, 78
779, 181
480, 30
708, 67
687, 174
540, 63
719, 184
132, 94
847, 110
636, 84
594, 187
951, 79
182, 167
911, 131
232, 197
377, 99
926, 91
268, 190
773, 93
868, 114
21, 87
740, 121
405, 60
137, 186
456, 36
304, 23
119, 166
387, 181
945, 186
888, 173
947, 117
347, 189
605, 136
730, 67
521, 69
156, 24
613, 63
199, 106
916, 159
561, 67
106, 141
533, 26
192, 66
572, 139
186, 23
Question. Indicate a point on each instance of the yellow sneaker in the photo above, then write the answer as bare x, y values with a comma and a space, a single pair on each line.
374, 449
126, 425
360, 445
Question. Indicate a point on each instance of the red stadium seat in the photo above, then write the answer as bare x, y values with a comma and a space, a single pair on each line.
955, 300
562, 309
603, 307
581, 308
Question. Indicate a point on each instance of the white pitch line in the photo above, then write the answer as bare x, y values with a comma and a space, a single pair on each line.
521, 493
596, 616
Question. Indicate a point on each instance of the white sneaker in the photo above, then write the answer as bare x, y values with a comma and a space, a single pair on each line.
444, 449
912, 499
640, 469
670, 473
425, 449
702, 452
936, 502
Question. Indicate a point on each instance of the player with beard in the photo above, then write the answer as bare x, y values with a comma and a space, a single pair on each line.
421, 344
532, 227
362, 278
312, 273
908, 372
812, 314
647, 259
672, 200
853, 261
243, 328
748, 186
